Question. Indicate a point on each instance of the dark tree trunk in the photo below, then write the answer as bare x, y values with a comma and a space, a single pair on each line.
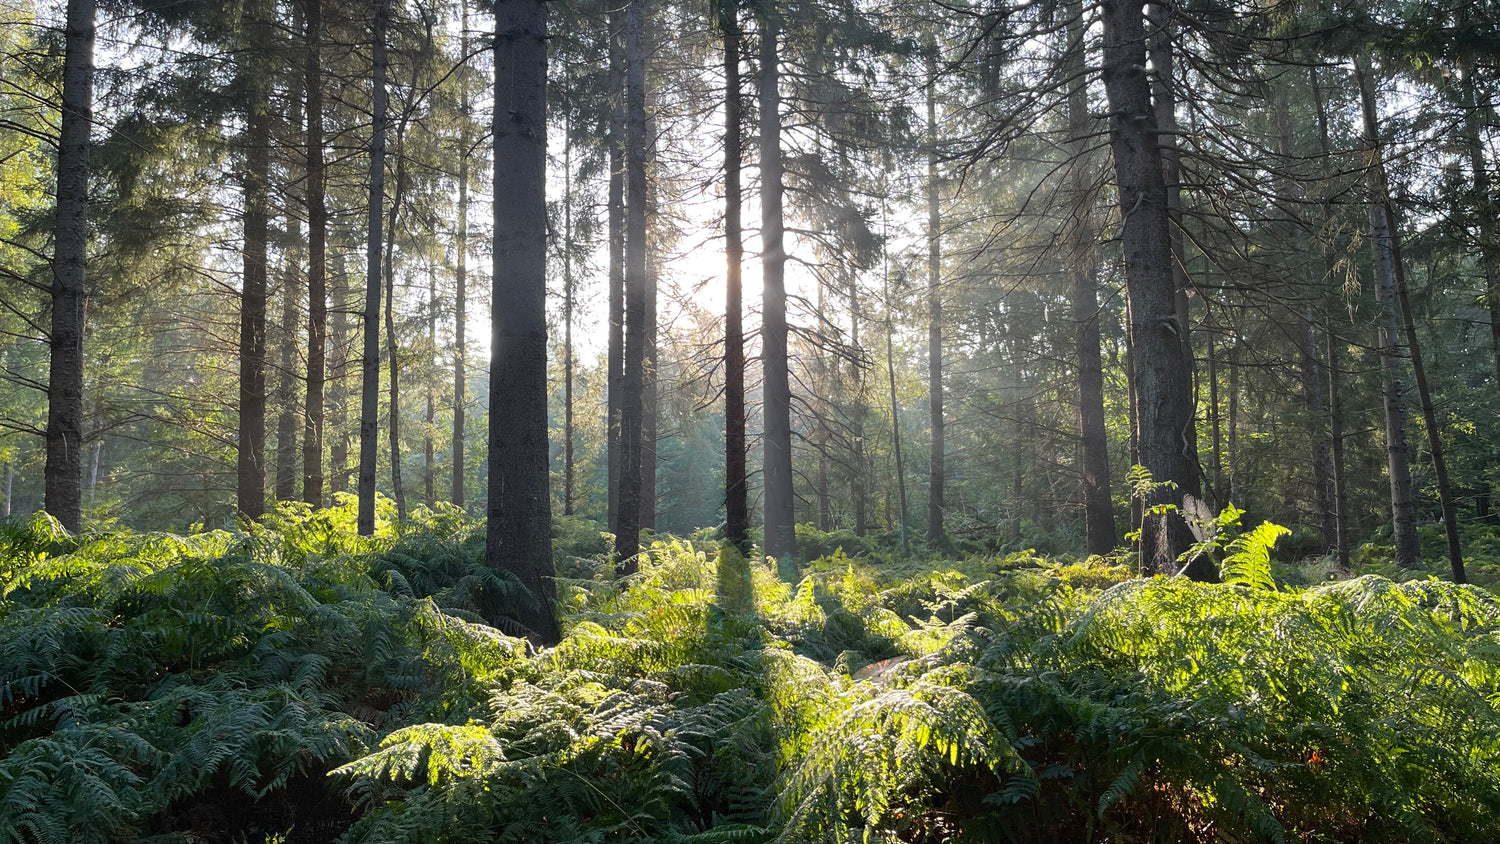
317, 265
369, 423
780, 529
632, 386
1163, 384
935, 536
251, 486
288, 470
461, 287
10, 477
736, 484
616, 224
1336, 444
519, 510
567, 496
338, 398
649, 395
1164, 104
64, 470
858, 471
1382, 245
890, 369
429, 418
398, 490
1099, 519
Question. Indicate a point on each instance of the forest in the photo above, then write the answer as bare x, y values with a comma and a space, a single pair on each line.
749, 421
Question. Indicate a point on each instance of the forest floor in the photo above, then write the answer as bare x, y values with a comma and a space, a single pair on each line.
298, 683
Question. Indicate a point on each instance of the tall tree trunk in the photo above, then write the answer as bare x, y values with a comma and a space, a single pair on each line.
890, 369
1233, 455
776, 440
10, 477
858, 473
1215, 424
398, 490
429, 418
736, 483
632, 387
369, 424
1382, 245
1164, 103
338, 398
288, 472
96, 457
934, 318
1489, 248
616, 225
1336, 443
519, 511
648, 337
567, 496
1083, 261
1429, 411
461, 284
64, 471
1162, 380
251, 485
317, 265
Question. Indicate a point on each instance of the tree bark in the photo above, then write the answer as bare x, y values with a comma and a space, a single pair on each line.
1164, 397
369, 425
398, 489
288, 472
935, 537
519, 511
429, 418
251, 485
63, 473
338, 398
890, 369
1083, 260
461, 284
736, 483
616, 224
567, 496
627, 541
317, 265
1398, 454
780, 529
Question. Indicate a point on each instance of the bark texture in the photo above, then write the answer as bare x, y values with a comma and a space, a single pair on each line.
63, 473
776, 440
519, 511
369, 406
1163, 387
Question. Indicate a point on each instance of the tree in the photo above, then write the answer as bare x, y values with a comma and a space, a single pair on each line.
1164, 398
518, 538
736, 485
317, 264
776, 440
251, 486
369, 405
64, 469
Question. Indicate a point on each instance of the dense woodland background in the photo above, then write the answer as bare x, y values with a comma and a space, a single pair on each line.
335, 336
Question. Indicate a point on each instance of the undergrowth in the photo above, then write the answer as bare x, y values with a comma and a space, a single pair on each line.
299, 683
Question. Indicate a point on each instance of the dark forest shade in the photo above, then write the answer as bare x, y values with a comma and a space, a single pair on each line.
518, 538
64, 469
1163, 386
